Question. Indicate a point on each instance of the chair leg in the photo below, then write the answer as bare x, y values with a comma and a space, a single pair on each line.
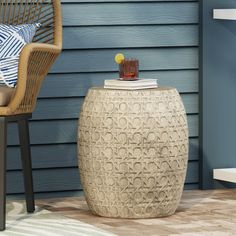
3, 137
26, 163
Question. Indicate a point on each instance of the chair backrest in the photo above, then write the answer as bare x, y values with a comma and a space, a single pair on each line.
45, 12
31, 75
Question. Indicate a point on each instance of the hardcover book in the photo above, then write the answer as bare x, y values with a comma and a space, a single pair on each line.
130, 85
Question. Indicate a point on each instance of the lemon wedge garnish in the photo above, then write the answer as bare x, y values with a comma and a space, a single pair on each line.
119, 58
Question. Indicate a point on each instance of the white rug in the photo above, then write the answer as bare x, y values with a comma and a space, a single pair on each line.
45, 223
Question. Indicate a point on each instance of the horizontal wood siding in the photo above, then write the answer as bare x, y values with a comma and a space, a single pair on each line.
130, 36
128, 13
102, 60
163, 34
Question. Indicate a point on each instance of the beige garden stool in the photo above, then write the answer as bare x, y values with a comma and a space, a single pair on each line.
133, 151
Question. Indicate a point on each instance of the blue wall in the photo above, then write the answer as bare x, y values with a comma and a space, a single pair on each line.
162, 34
218, 92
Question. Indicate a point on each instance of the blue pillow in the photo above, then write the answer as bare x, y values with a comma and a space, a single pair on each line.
12, 39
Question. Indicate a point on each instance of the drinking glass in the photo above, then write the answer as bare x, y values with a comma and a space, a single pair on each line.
129, 69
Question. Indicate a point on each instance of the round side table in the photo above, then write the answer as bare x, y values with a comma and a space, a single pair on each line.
133, 151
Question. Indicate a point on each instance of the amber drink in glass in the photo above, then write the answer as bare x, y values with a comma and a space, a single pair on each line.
129, 69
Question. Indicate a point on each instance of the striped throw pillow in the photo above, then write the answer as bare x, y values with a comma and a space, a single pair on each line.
12, 39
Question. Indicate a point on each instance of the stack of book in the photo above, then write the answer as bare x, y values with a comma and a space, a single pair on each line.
130, 85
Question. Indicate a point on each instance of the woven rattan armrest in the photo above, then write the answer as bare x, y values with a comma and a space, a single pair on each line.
35, 61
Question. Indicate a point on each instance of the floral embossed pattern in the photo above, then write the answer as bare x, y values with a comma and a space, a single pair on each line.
133, 151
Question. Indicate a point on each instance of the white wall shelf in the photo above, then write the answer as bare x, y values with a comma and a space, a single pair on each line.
228, 174
224, 14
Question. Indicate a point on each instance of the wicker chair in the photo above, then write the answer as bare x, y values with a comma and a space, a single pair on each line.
35, 61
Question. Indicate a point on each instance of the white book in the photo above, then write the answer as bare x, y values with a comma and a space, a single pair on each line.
130, 88
130, 85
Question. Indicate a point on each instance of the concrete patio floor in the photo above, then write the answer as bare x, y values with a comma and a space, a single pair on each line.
200, 213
